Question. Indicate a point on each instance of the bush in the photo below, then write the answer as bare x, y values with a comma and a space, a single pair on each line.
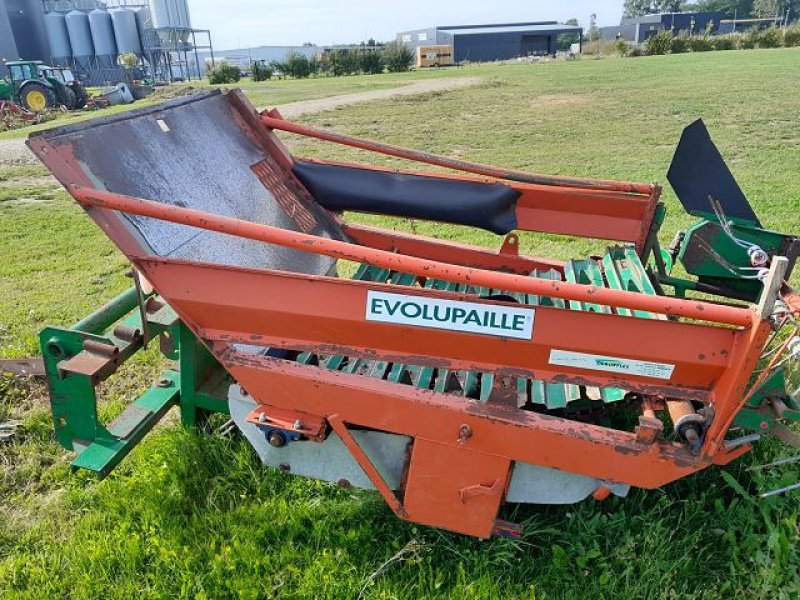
679, 44
370, 62
224, 73
700, 43
635, 52
749, 40
260, 71
621, 47
723, 42
659, 43
769, 38
343, 62
397, 57
791, 36
298, 66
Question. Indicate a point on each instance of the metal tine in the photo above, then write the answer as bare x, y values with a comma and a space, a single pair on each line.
780, 491
777, 463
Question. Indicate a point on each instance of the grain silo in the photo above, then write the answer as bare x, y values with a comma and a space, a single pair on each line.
126, 32
105, 46
55, 26
80, 37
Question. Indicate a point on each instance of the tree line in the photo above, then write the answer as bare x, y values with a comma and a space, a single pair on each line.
393, 57
741, 9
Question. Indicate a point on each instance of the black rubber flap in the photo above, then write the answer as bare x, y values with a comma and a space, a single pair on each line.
489, 206
699, 171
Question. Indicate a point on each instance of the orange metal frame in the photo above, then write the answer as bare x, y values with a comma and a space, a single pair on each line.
462, 453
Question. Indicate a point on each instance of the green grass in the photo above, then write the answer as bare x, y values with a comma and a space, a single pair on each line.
192, 515
269, 93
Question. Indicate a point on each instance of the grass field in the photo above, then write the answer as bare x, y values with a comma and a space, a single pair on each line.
193, 515
273, 92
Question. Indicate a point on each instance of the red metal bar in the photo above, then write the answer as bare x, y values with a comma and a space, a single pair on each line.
446, 251
452, 163
690, 309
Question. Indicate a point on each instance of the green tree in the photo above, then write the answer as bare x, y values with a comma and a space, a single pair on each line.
397, 57
594, 31
730, 8
637, 8
776, 8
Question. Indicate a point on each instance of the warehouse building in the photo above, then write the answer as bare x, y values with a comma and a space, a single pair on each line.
482, 43
638, 29
22, 31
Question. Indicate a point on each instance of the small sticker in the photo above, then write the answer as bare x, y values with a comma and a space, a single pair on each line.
469, 317
613, 364
162, 125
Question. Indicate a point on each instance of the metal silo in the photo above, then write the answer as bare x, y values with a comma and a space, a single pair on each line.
105, 46
126, 33
55, 26
170, 13
80, 36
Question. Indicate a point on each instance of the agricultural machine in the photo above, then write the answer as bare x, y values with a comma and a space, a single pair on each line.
449, 378
37, 87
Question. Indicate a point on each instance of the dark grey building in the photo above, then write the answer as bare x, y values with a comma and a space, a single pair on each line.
638, 29
22, 32
481, 43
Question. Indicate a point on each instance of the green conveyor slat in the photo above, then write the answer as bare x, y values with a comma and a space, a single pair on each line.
589, 273
620, 268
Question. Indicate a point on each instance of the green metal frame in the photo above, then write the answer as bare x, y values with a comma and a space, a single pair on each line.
77, 359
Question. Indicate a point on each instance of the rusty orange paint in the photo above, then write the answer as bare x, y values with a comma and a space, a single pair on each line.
691, 309
453, 481
448, 252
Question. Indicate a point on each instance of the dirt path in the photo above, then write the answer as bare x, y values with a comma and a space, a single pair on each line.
307, 107
14, 153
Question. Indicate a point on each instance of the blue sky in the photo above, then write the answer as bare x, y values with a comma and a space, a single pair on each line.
242, 23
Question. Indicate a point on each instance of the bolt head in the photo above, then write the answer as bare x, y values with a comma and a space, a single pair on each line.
276, 439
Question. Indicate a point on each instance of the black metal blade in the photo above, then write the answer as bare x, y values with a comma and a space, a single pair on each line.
699, 171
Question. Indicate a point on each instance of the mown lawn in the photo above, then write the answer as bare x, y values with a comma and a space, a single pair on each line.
194, 515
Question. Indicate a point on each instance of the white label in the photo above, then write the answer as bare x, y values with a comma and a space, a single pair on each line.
613, 364
470, 317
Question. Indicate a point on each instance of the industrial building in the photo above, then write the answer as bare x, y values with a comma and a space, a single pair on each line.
89, 36
483, 43
638, 29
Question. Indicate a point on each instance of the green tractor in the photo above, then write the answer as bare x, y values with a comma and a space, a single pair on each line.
38, 87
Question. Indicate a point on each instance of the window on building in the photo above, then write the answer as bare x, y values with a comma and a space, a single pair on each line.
422, 37
406, 38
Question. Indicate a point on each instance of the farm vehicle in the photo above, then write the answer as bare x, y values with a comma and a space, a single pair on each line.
449, 378
38, 87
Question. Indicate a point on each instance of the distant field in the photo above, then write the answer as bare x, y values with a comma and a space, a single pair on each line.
192, 515
271, 93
